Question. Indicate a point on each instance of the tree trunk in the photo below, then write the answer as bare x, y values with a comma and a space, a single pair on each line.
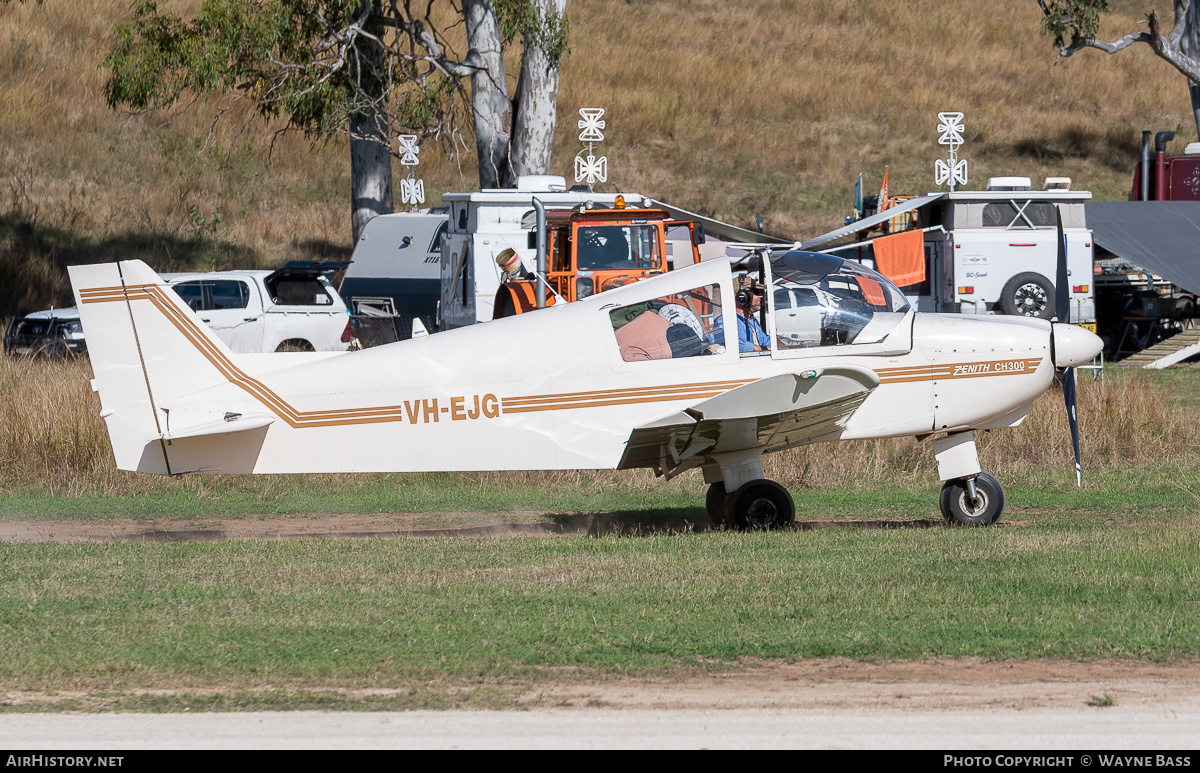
537, 100
370, 171
489, 98
370, 156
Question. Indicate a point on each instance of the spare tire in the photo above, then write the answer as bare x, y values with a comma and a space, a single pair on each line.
1028, 295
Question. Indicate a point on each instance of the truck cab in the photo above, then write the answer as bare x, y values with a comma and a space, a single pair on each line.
485, 223
593, 250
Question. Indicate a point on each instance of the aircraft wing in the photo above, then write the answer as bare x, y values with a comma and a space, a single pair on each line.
774, 413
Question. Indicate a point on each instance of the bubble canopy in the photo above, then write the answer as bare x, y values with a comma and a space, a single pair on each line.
815, 268
822, 300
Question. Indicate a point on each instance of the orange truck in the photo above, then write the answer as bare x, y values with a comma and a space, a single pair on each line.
592, 250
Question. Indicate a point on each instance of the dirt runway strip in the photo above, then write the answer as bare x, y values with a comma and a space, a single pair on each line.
835, 703
387, 525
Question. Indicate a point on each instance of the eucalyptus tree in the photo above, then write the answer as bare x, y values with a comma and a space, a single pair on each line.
364, 69
1074, 24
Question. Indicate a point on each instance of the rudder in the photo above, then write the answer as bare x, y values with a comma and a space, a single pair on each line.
146, 347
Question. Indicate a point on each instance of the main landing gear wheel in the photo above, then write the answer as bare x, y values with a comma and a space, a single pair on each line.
716, 501
760, 505
958, 508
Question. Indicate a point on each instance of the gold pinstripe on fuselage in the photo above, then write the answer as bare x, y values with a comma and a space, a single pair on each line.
300, 419
187, 326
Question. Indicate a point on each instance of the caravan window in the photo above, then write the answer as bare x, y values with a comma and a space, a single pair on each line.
1011, 214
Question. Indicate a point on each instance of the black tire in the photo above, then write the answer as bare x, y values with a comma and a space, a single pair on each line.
957, 509
760, 505
1028, 295
716, 502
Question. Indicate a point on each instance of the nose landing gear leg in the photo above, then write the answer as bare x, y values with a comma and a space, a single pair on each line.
969, 497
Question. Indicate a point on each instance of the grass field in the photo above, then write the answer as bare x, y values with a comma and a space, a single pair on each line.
1106, 572
276, 625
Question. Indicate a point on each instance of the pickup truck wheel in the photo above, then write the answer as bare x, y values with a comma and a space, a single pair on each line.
1028, 295
295, 345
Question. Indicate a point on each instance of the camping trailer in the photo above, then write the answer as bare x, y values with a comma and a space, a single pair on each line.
978, 252
394, 275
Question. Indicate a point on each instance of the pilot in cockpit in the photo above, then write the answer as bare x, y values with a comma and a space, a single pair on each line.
748, 296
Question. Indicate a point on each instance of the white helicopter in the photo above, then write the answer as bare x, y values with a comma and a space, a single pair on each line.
638, 376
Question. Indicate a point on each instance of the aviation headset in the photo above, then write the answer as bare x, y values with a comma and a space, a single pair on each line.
745, 289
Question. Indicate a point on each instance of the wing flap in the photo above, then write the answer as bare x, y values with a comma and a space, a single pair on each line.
774, 413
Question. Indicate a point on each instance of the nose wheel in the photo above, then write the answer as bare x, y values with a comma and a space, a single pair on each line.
977, 501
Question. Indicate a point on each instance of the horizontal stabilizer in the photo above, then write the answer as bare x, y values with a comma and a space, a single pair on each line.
221, 427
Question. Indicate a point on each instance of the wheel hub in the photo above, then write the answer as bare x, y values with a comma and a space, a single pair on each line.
1031, 299
762, 512
981, 502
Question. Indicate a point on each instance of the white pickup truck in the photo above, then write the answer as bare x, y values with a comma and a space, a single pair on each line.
292, 309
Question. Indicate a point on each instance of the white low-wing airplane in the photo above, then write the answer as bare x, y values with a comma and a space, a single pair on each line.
632, 377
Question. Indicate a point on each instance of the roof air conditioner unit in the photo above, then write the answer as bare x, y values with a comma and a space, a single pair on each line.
541, 183
1009, 184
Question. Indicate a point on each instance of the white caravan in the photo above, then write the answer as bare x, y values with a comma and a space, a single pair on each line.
986, 252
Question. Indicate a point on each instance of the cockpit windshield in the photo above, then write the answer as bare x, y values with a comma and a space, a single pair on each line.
821, 300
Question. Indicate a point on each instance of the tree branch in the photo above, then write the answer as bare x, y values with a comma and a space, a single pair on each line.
1078, 42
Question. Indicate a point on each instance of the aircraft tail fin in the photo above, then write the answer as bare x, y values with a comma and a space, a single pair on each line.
147, 348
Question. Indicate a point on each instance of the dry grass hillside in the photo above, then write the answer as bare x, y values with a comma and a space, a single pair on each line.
769, 106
